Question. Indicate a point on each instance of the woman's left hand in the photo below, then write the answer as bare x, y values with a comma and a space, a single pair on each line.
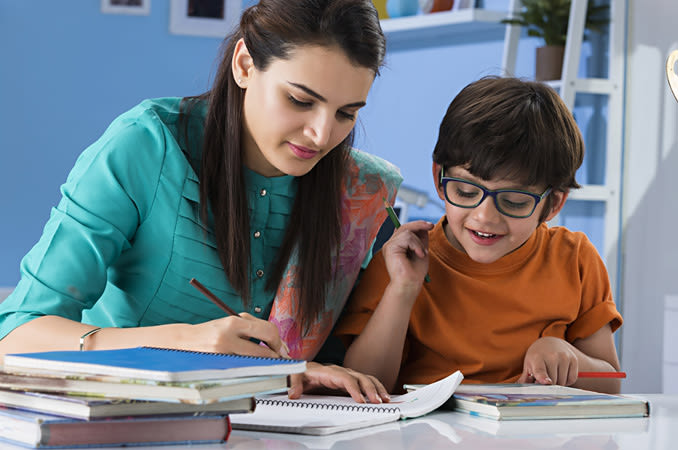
362, 388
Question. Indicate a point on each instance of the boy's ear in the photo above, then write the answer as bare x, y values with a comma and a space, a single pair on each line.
437, 169
557, 203
241, 64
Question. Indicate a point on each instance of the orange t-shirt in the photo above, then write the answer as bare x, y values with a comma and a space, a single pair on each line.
481, 318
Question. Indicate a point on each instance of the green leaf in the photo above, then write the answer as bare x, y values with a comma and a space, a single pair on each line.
548, 19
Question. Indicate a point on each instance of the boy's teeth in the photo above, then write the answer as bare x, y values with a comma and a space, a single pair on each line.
485, 235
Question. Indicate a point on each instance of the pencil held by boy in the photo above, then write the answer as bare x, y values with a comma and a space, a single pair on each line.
510, 299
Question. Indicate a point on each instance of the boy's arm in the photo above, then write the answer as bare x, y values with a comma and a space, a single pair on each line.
598, 354
589, 343
378, 349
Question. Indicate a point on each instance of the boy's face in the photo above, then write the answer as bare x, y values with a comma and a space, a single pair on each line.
483, 233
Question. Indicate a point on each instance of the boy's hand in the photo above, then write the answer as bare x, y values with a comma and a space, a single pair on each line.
550, 360
406, 253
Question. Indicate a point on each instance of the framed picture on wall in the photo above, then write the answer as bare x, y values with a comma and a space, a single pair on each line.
212, 18
137, 7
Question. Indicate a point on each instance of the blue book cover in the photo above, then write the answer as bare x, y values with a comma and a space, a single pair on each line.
152, 363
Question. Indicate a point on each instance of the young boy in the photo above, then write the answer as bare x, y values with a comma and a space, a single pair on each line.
510, 299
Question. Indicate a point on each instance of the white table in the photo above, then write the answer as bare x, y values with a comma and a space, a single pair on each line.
452, 430
445, 429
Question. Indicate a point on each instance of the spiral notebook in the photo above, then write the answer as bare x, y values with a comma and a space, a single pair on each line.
321, 415
151, 363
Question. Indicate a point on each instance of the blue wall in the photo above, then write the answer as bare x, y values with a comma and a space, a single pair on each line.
67, 70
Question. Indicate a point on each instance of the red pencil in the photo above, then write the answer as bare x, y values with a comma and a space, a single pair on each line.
601, 374
285, 351
216, 300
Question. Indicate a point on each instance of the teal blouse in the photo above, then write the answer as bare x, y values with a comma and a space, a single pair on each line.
126, 238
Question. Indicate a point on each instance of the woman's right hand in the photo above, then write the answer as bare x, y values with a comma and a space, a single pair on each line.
243, 334
226, 335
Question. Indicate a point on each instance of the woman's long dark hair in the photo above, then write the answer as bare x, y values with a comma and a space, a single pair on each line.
271, 29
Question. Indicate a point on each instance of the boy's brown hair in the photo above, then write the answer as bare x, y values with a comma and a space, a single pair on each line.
510, 128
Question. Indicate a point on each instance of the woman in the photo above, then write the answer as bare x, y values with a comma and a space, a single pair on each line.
252, 188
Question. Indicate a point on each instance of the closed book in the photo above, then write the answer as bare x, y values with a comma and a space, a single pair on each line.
87, 408
534, 401
322, 415
199, 392
549, 427
33, 429
152, 363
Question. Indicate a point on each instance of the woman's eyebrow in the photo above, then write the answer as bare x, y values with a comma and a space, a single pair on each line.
313, 93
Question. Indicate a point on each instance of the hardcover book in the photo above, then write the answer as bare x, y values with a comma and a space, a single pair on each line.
534, 401
35, 429
550, 427
199, 392
87, 408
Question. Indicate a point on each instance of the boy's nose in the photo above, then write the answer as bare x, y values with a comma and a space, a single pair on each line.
487, 211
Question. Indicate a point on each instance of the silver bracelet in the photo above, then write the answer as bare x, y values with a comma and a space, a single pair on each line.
89, 333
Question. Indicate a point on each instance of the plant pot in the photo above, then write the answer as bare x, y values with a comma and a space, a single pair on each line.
549, 62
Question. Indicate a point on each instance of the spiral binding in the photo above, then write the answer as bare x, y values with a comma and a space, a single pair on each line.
328, 406
196, 352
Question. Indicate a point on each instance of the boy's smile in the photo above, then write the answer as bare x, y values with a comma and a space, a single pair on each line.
483, 233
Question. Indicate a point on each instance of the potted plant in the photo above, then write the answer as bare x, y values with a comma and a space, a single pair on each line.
548, 19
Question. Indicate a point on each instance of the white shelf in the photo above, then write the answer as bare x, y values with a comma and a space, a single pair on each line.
588, 85
593, 192
445, 27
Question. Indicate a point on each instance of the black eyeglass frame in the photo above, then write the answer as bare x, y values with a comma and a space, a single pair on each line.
492, 193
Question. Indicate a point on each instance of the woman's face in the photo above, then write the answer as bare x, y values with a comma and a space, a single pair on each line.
299, 108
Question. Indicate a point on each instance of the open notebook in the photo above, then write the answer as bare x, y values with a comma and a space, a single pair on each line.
321, 415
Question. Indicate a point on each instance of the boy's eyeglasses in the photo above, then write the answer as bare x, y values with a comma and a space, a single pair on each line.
510, 202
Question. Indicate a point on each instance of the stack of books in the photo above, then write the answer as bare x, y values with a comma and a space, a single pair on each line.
133, 396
